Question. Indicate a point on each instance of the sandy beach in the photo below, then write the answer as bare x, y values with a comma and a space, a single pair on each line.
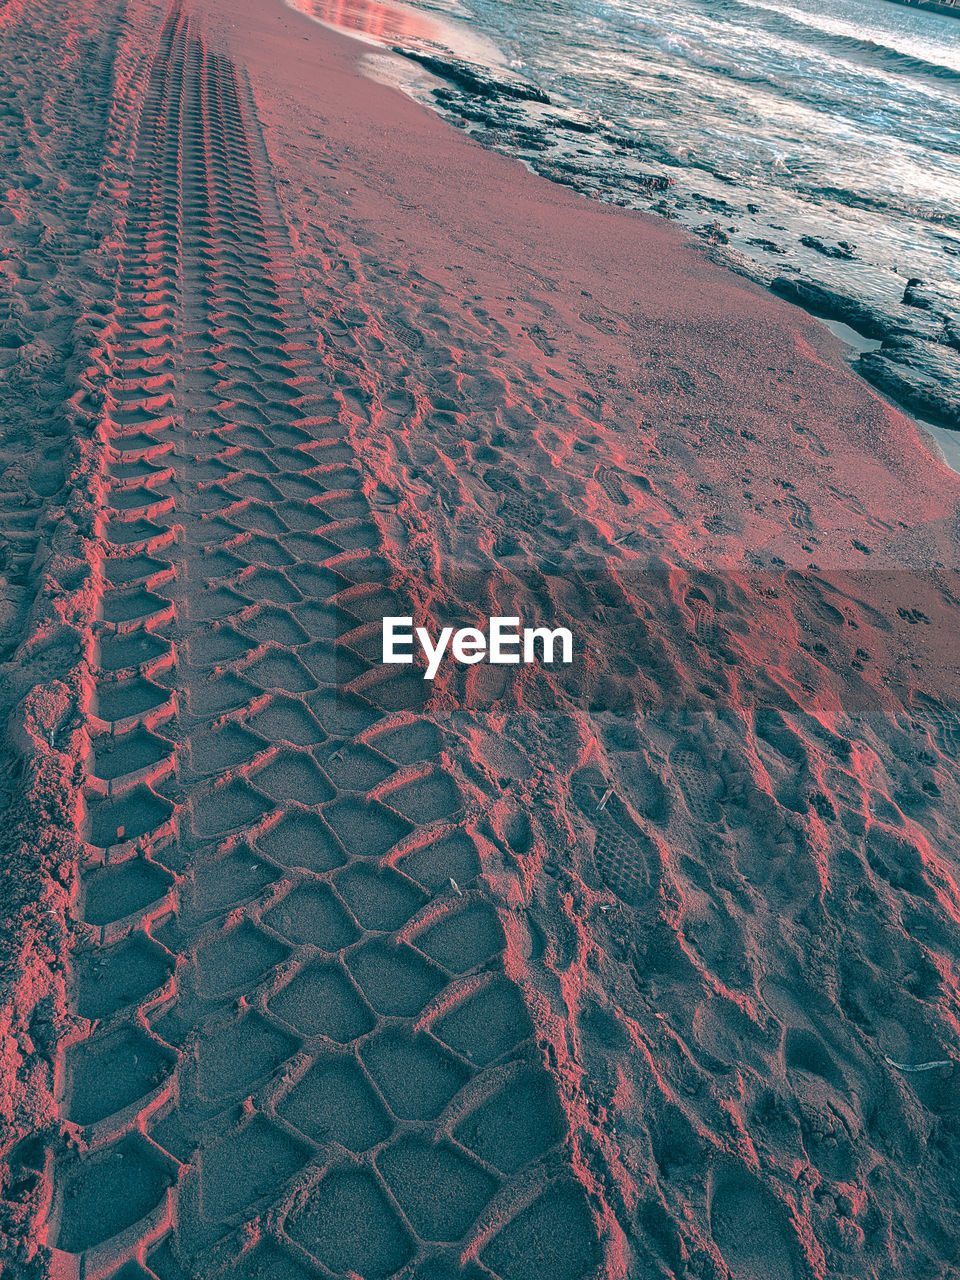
640, 968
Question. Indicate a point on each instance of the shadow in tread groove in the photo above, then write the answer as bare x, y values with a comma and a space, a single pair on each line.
386, 1080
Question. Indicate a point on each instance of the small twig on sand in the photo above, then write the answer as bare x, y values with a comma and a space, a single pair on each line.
922, 1066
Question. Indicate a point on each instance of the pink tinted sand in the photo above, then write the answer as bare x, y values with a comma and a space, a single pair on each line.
720, 849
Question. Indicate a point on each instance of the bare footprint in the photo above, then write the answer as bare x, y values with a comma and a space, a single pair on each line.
746, 1223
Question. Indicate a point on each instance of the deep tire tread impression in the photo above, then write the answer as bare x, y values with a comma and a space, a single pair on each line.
262, 1057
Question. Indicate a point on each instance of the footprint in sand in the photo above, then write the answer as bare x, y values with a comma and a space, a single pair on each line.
704, 617
612, 483
623, 853
696, 784
745, 1221
486, 685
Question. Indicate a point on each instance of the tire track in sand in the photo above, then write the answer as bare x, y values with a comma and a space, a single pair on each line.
297, 1053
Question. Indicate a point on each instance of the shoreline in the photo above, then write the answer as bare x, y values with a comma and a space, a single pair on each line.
910, 361
686, 243
944, 441
590, 972
944, 438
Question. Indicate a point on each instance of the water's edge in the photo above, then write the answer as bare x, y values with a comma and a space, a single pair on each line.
908, 349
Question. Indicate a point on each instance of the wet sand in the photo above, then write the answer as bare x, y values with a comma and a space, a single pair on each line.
641, 967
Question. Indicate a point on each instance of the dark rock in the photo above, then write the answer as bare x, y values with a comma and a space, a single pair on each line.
913, 297
571, 123
911, 376
842, 249
654, 182
713, 233
647, 183
822, 301
711, 202
472, 79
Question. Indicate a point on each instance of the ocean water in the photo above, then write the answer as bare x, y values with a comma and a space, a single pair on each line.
804, 138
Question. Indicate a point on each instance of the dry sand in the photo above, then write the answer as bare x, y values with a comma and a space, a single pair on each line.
312, 969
